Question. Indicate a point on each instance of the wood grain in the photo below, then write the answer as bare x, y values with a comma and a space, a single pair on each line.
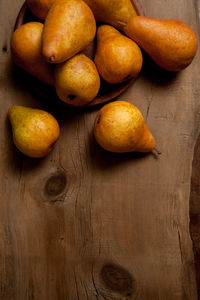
194, 199
195, 210
86, 224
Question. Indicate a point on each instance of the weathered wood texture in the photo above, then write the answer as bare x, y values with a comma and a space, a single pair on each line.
195, 210
195, 203
86, 224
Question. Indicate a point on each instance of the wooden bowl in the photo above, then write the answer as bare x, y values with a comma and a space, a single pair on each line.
107, 91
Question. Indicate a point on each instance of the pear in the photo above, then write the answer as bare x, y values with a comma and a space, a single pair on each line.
77, 80
34, 131
119, 127
117, 57
40, 8
171, 44
69, 27
112, 12
26, 45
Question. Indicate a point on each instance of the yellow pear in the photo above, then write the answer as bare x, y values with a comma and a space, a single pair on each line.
77, 80
112, 12
26, 45
119, 127
69, 27
40, 8
117, 57
171, 44
34, 131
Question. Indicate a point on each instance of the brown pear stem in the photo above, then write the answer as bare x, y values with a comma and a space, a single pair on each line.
122, 23
156, 152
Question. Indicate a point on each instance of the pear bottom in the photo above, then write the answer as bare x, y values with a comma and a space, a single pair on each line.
26, 44
119, 127
171, 44
117, 57
34, 131
77, 80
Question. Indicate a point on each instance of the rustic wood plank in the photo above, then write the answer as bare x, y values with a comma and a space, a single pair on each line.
86, 224
194, 200
195, 210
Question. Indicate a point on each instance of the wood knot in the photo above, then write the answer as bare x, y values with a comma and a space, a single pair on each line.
55, 184
4, 49
117, 279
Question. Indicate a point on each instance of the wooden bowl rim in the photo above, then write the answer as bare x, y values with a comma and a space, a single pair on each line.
118, 89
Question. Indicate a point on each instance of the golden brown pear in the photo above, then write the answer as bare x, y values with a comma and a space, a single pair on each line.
69, 27
40, 8
77, 80
117, 58
26, 45
112, 11
119, 127
34, 131
171, 44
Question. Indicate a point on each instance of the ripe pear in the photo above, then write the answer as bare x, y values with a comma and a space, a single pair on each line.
117, 57
40, 8
119, 127
34, 131
69, 27
171, 44
112, 12
26, 45
77, 80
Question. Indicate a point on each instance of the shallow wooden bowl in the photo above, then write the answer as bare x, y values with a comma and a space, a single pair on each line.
107, 91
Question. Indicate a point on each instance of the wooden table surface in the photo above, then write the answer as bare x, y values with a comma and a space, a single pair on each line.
86, 224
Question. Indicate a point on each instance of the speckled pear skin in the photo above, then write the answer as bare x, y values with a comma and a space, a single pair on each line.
40, 8
34, 131
117, 57
112, 11
26, 45
77, 80
171, 44
69, 27
119, 127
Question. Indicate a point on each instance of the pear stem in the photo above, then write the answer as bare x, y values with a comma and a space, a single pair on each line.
156, 152
122, 23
